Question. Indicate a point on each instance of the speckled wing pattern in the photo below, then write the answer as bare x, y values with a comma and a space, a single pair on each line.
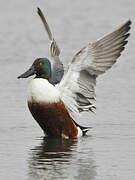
57, 66
77, 86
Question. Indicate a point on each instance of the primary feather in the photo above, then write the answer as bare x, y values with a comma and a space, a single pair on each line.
77, 87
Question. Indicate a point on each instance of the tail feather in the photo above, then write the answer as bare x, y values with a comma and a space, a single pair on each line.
83, 128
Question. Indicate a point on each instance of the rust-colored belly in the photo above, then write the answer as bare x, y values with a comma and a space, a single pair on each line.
54, 119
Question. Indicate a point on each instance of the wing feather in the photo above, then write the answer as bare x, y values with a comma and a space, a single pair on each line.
57, 66
54, 49
78, 83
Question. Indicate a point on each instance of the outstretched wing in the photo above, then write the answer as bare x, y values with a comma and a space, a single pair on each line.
78, 85
57, 66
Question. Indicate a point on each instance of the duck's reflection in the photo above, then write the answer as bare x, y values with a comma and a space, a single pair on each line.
59, 159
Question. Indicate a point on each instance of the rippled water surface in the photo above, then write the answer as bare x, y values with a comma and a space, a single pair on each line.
108, 152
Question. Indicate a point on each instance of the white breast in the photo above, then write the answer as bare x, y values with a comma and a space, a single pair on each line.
40, 90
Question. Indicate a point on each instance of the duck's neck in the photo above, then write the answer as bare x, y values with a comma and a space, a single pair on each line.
43, 76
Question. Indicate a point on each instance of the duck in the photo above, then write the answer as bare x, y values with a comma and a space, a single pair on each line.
56, 96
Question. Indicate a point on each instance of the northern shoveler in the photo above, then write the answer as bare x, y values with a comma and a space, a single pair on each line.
54, 99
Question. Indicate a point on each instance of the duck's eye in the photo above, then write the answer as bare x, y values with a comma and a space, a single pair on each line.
41, 63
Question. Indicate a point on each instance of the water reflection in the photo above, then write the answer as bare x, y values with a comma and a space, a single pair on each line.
60, 159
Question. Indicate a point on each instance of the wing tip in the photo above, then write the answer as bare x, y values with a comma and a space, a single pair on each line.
127, 27
129, 22
39, 11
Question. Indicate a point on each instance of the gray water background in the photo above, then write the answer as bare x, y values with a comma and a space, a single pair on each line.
108, 152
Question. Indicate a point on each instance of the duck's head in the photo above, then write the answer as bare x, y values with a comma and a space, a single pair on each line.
41, 68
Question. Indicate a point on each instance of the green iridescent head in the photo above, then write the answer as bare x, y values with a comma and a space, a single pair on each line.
41, 67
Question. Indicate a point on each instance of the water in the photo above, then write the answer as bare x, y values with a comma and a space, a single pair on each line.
108, 152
